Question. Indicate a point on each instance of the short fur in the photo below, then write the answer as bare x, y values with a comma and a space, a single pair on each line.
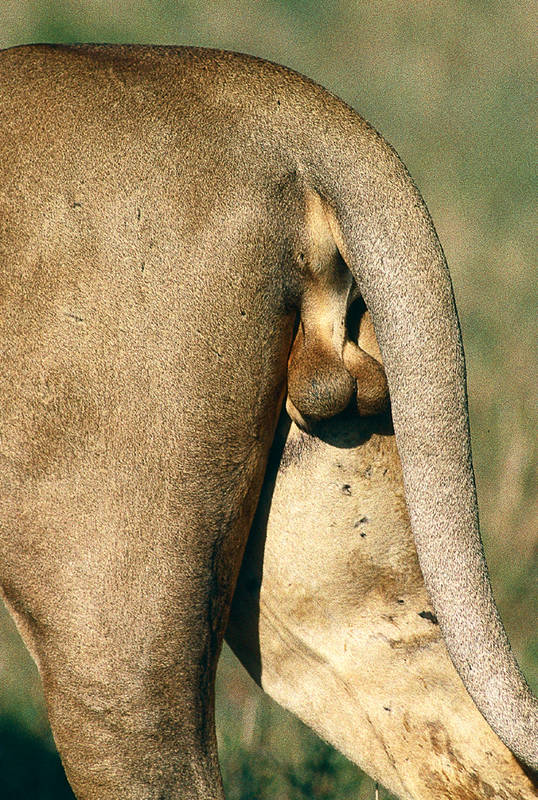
331, 617
165, 213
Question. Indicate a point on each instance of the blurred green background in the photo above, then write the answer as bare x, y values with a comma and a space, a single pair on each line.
450, 85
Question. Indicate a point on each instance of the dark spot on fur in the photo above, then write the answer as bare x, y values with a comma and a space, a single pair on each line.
76, 204
414, 644
435, 730
138, 214
359, 522
74, 316
386, 708
346, 488
400, 601
428, 615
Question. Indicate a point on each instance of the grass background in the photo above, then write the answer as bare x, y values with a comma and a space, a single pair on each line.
450, 85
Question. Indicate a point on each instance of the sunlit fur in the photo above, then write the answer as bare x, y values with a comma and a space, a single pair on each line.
331, 617
168, 217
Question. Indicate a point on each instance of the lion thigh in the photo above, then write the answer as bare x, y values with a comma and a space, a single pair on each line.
126, 628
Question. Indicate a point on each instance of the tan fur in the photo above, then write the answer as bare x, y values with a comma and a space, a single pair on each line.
332, 618
325, 368
167, 215
319, 384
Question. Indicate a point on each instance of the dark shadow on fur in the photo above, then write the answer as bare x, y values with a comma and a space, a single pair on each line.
345, 430
250, 584
348, 429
